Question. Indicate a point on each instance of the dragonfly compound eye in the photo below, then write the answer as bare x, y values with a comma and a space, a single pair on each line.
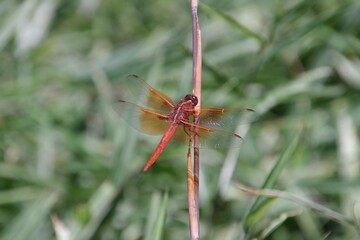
194, 100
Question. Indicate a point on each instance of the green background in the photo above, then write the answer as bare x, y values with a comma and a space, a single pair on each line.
65, 153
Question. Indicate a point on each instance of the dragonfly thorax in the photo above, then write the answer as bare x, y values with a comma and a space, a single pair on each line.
184, 108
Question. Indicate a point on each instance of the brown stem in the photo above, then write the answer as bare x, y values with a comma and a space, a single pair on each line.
193, 173
193, 212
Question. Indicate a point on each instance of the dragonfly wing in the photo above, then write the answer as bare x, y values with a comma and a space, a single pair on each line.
216, 126
142, 119
136, 90
222, 118
209, 137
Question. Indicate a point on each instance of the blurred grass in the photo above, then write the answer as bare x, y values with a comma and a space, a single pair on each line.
65, 152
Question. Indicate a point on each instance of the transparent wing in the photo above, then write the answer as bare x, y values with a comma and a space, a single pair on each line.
221, 118
216, 127
136, 90
209, 137
142, 119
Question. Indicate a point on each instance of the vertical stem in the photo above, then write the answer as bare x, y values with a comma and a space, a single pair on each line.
193, 209
197, 54
193, 173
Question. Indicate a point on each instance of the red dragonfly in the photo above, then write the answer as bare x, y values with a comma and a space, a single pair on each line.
161, 115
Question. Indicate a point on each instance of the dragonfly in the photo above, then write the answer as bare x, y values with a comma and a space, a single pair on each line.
155, 113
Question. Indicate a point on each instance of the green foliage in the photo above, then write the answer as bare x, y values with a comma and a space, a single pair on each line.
69, 163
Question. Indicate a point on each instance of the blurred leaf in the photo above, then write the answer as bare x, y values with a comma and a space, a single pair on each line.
31, 218
232, 22
100, 204
157, 216
335, 216
62, 232
19, 194
275, 223
17, 173
258, 208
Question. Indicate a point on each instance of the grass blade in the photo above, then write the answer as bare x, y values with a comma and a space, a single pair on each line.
261, 204
157, 217
31, 219
232, 22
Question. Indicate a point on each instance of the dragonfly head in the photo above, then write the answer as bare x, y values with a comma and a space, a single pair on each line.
192, 98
